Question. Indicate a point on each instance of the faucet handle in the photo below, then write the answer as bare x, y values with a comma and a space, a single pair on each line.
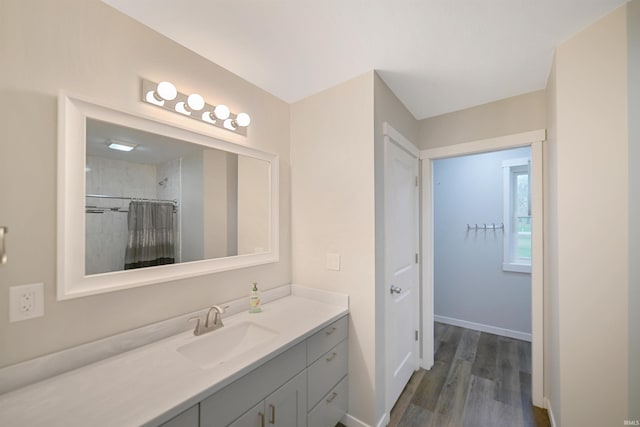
198, 328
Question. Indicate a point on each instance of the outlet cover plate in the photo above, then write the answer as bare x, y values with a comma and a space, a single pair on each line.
333, 262
26, 302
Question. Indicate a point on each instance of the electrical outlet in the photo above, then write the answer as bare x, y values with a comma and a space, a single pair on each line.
26, 302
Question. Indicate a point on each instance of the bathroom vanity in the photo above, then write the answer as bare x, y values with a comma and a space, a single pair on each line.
285, 366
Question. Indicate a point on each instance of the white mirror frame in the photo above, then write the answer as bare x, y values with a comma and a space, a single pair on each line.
71, 279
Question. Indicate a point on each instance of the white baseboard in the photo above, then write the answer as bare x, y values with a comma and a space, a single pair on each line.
384, 420
351, 421
483, 328
547, 405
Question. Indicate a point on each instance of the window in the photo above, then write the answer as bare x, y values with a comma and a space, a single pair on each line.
517, 216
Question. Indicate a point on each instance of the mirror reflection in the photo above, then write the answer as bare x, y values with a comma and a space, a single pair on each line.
168, 201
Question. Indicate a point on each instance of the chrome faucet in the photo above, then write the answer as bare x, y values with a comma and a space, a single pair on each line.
209, 325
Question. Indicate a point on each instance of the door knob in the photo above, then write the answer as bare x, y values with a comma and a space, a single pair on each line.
395, 289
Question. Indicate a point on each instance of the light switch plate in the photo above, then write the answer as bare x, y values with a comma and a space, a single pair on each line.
333, 262
26, 302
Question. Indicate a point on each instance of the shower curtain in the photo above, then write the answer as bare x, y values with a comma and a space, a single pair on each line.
151, 235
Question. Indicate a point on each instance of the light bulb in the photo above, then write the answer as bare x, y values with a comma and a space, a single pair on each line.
221, 111
167, 90
229, 124
195, 102
153, 98
208, 117
180, 108
243, 120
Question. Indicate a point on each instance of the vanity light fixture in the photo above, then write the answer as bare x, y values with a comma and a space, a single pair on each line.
165, 95
121, 145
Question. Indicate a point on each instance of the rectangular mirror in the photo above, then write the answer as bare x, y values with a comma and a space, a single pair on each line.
177, 204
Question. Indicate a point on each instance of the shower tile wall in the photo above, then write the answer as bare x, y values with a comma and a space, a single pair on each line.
106, 233
171, 190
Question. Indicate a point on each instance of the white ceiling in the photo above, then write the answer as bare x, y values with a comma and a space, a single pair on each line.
150, 148
437, 56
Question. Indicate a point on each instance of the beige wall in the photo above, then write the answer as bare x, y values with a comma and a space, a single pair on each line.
332, 176
633, 23
93, 51
216, 191
192, 235
505, 117
590, 206
253, 205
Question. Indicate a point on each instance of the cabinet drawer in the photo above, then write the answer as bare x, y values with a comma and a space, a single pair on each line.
322, 341
332, 407
188, 418
326, 372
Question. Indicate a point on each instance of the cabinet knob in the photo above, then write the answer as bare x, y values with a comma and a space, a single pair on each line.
261, 416
333, 396
330, 358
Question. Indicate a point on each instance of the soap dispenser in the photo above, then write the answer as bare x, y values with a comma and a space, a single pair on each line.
254, 300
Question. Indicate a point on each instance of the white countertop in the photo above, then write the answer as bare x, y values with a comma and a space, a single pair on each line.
153, 383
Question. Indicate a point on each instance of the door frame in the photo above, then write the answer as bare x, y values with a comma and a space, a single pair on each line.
534, 139
392, 136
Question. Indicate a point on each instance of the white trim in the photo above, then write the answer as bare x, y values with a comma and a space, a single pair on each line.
533, 139
484, 145
547, 405
351, 421
384, 420
524, 336
427, 265
71, 280
515, 267
399, 139
537, 276
509, 167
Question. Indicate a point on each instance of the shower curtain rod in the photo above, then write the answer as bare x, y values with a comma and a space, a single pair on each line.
141, 199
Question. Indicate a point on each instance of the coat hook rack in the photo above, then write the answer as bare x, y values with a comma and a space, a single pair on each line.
493, 226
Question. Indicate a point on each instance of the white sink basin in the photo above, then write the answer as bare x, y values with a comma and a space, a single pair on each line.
226, 344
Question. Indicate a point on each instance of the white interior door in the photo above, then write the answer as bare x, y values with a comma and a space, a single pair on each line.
401, 265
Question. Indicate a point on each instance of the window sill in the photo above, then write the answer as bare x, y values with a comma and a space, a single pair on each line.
517, 268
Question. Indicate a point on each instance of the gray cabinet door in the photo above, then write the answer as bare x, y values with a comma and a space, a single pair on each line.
287, 406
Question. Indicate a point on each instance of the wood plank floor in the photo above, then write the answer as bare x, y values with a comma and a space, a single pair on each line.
478, 380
